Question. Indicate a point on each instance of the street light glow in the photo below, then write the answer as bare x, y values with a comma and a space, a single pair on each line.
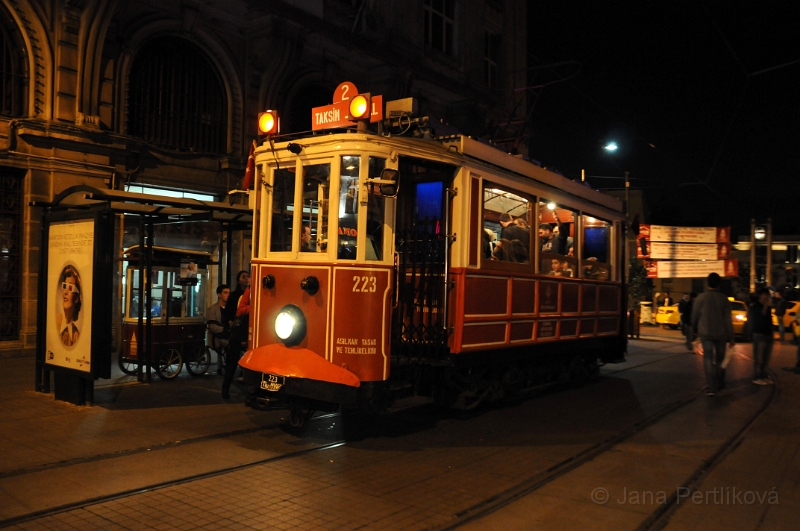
611, 146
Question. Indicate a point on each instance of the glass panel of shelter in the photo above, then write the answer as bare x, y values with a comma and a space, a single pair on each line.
506, 225
557, 240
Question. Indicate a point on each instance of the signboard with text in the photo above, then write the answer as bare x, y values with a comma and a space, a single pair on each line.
335, 114
76, 288
691, 269
685, 251
662, 233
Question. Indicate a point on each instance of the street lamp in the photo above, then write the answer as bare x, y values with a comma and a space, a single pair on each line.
611, 147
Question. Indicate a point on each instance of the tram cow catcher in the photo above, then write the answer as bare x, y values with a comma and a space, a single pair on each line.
394, 262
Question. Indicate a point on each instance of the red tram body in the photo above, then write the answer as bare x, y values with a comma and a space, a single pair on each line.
382, 268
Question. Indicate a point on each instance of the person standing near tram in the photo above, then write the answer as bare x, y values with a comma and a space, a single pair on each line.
711, 320
236, 345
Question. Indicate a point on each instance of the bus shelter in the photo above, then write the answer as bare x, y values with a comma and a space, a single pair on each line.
81, 245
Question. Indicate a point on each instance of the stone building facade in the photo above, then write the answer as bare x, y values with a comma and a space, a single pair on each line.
165, 93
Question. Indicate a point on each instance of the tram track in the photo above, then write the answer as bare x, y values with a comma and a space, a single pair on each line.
148, 449
659, 517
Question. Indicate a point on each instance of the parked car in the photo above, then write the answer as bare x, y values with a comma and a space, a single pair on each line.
669, 316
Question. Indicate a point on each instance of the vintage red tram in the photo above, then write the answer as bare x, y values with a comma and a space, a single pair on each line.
389, 264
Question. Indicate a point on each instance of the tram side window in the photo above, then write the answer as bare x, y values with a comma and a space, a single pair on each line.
596, 245
282, 210
314, 220
506, 225
376, 209
348, 208
557, 240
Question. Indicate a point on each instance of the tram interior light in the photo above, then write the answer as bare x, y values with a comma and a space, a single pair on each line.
551, 206
360, 107
269, 123
760, 233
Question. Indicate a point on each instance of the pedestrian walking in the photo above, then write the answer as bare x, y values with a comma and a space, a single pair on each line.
711, 321
759, 315
685, 309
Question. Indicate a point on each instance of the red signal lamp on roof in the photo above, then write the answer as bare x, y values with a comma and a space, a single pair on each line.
360, 107
269, 123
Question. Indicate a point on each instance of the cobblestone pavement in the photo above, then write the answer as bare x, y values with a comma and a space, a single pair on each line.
419, 469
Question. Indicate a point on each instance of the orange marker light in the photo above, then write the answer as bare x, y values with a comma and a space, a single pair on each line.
268, 123
360, 107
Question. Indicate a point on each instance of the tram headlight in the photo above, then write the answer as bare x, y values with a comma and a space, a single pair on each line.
290, 325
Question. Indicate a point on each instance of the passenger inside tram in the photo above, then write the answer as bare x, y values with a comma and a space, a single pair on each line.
560, 268
305, 240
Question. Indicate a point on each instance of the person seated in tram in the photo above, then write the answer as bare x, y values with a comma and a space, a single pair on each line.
594, 272
559, 268
305, 240
504, 251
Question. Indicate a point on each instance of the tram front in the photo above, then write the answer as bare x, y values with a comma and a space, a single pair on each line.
322, 273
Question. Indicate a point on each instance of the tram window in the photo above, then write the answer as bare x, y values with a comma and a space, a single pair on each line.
348, 208
596, 245
506, 225
376, 209
314, 220
282, 210
556, 237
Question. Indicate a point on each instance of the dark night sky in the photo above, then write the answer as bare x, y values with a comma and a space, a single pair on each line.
679, 86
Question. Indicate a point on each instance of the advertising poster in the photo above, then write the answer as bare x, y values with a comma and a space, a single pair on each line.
661, 233
691, 269
70, 276
685, 251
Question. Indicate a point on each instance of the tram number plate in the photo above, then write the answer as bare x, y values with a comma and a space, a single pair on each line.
271, 382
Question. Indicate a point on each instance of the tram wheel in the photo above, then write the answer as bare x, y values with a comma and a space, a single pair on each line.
199, 361
170, 363
127, 365
298, 417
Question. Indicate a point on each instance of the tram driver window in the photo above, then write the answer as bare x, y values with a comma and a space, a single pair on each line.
596, 244
314, 215
282, 210
506, 231
557, 240
376, 208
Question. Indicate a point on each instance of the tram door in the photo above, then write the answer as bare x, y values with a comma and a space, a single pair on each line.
419, 328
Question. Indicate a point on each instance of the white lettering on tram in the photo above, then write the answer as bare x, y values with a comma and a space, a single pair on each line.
326, 117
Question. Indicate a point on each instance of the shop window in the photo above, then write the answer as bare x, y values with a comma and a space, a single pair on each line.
595, 255
176, 98
282, 211
314, 214
556, 240
439, 25
13, 76
506, 225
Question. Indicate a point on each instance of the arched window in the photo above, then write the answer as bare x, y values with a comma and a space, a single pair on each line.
176, 98
13, 76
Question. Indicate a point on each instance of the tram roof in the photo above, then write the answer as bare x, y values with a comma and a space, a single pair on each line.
458, 144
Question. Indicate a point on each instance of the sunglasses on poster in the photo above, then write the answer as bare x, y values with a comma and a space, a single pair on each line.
72, 288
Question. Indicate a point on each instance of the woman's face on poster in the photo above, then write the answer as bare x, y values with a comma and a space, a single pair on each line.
69, 293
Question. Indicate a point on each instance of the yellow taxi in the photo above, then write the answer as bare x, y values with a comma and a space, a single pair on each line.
739, 315
669, 316
792, 311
